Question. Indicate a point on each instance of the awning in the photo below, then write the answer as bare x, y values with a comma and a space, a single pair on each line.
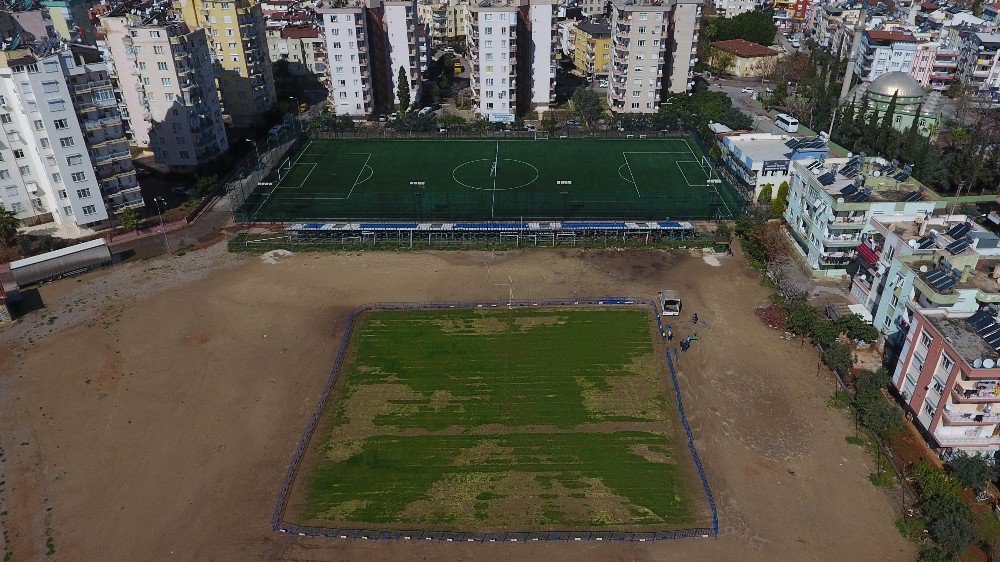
867, 254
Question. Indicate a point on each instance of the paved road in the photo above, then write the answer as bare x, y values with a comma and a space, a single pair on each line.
206, 228
763, 123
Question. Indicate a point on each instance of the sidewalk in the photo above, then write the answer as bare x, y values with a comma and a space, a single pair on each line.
145, 232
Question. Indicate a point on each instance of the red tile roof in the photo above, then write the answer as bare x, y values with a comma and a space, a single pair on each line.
297, 32
744, 49
883, 35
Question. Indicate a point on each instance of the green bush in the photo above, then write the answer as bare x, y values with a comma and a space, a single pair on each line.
765, 195
972, 471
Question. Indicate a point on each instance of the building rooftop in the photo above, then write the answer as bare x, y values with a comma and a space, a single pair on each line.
597, 28
962, 337
744, 49
890, 36
861, 180
762, 147
299, 32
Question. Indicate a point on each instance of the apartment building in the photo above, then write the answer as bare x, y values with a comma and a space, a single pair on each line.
978, 62
368, 41
758, 159
445, 19
46, 172
512, 54
653, 52
884, 51
593, 8
896, 264
948, 375
592, 48
730, 8
71, 19
935, 66
162, 71
89, 82
235, 30
790, 15
830, 202
302, 48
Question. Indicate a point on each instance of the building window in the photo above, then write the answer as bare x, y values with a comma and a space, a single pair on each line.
57, 105
333, 19
185, 154
643, 16
57, 178
62, 193
166, 81
50, 87
24, 170
947, 363
11, 191
926, 340
154, 33
5, 118
161, 65
83, 193
4, 174
16, 207
68, 211
887, 322
67, 142
157, 49
89, 210
61, 124
74, 160
18, 153
79, 177
39, 125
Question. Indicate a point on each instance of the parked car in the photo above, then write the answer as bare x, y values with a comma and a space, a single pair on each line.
382, 118
747, 90
530, 127
426, 111
574, 122
393, 116
603, 83
182, 191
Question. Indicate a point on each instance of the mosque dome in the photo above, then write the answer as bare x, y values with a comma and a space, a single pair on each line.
899, 83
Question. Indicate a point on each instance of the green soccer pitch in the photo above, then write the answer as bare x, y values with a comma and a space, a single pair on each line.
493, 179
493, 420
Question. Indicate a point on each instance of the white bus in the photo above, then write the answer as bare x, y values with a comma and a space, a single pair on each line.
787, 122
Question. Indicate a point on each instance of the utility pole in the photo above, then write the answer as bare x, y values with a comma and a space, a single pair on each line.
958, 193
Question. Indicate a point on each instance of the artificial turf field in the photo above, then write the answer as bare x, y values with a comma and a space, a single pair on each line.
486, 420
493, 179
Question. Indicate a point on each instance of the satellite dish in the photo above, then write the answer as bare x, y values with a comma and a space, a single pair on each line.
977, 364
923, 269
948, 407
989, 363
840, 200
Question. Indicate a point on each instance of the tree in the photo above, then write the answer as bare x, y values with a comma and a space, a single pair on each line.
8, 227
549, 123
755, 26
779, 203
882, 418
403, 90
953, 530
779, 95
838, 357
972, 471
205, 184
857, 329
801, 318
129, 219
765, 195
587, 104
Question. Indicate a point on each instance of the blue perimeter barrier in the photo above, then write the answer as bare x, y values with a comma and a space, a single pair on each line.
498, 536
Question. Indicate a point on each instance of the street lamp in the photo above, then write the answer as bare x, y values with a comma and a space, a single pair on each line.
298, 112
256, 152
159, 201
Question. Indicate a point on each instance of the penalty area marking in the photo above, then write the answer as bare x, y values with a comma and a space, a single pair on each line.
686, 180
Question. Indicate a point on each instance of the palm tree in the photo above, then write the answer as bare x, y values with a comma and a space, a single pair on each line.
8, 227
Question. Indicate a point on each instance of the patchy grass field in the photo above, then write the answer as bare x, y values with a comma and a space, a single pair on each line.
499, 420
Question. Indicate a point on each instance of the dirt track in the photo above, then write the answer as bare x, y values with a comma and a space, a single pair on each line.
156, 414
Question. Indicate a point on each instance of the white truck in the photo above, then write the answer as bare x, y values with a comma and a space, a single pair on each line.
670, 302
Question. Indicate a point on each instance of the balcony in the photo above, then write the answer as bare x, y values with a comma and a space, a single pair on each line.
88, 86
977, 391
111, 157
842, 241
971, 418
967, 439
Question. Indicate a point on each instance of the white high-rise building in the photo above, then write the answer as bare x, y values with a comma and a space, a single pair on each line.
653, 51
368, 41
46, 171
163, 72
512, 49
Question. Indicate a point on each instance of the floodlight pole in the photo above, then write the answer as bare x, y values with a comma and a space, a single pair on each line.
160, 201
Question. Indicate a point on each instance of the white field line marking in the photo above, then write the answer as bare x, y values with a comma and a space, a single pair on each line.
686, 180
634, 184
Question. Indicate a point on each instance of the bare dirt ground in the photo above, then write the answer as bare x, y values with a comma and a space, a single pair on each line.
155, 415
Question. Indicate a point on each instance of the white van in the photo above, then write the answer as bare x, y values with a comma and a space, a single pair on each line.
786, 122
